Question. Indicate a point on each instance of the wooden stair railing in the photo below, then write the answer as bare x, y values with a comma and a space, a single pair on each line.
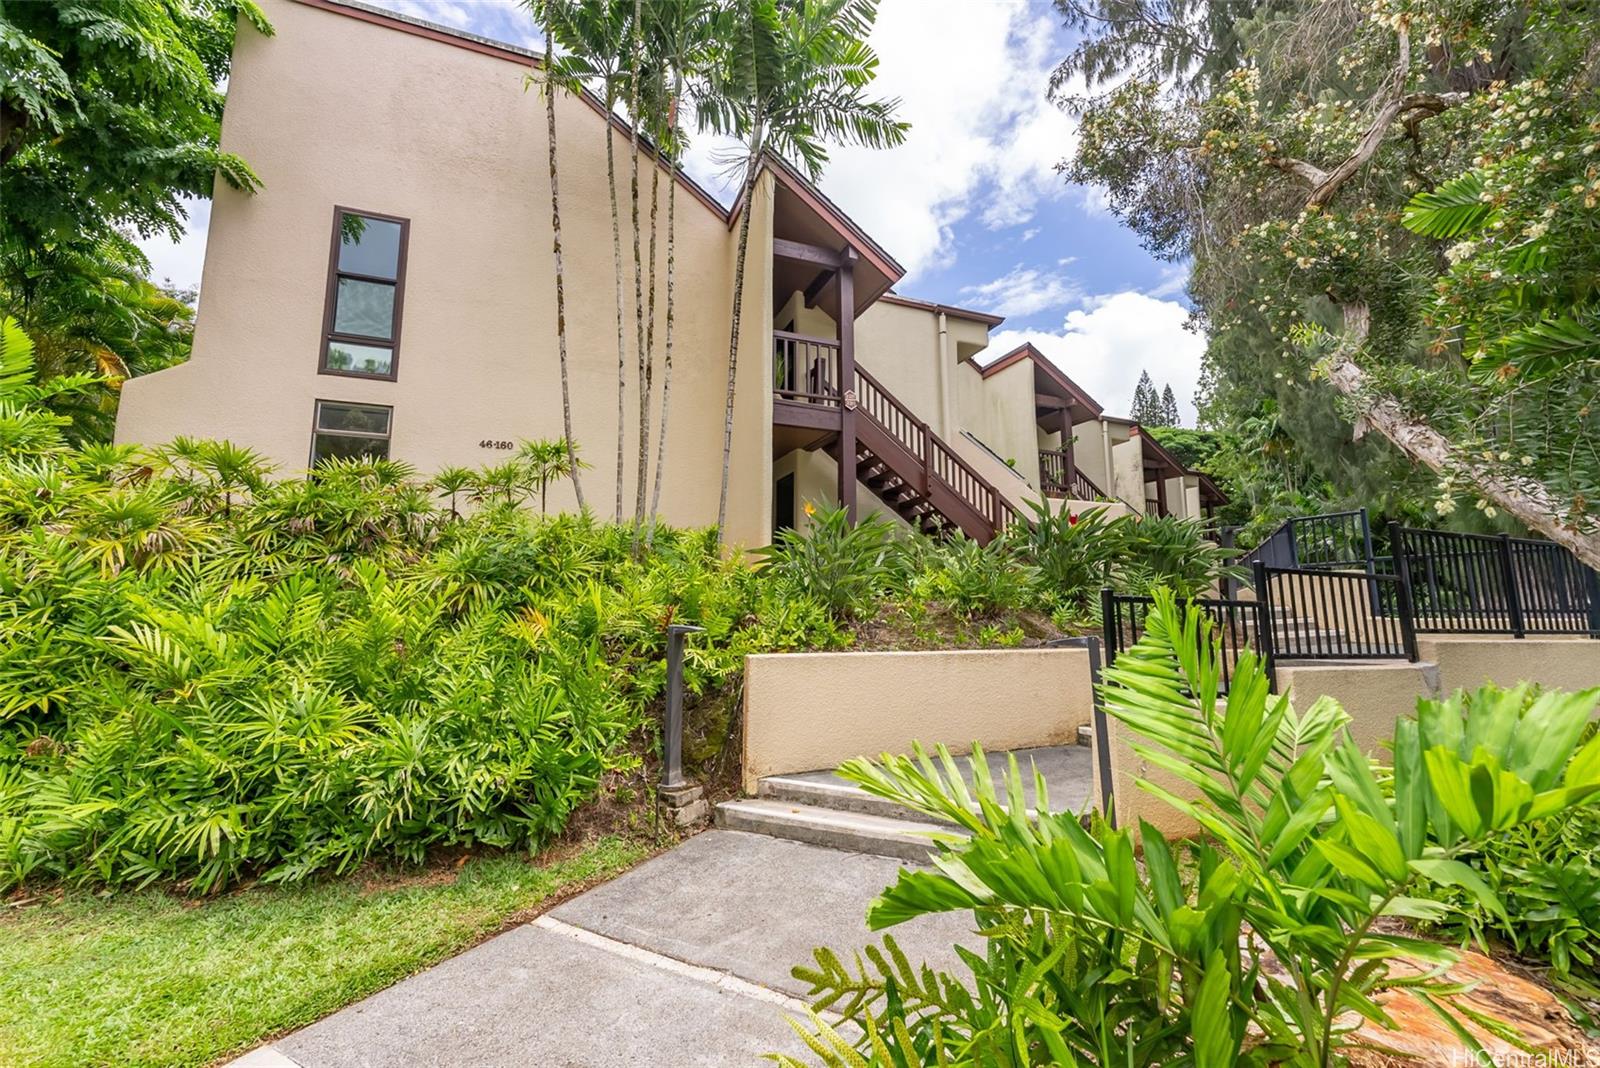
1059, 477
924, 470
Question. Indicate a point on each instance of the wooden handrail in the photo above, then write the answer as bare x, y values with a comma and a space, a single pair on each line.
918, 439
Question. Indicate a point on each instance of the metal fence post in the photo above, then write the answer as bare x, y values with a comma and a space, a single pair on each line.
1405, 608
1508, 572
672, 743
1366, 548
1264, 623
1101, 732
1592, 587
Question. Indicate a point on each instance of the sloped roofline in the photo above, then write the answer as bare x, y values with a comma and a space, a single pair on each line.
951, 310
486, 46
797, 183
1026, 351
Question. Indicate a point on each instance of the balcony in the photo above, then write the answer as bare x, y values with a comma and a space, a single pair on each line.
1060, 477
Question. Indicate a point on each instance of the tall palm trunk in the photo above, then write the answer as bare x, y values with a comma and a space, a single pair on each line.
733, 330
616, 259
561, 277
635, 59
647, 361
666, 356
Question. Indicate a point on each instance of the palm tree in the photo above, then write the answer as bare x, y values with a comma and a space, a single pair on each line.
595, 34
791, 76
684, 41
546, 13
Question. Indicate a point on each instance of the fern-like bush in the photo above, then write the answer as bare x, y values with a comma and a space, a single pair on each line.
207, 674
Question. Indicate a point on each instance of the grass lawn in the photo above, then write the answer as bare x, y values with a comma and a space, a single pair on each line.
153, 979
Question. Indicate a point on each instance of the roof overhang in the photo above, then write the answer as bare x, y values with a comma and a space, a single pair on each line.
1059, 402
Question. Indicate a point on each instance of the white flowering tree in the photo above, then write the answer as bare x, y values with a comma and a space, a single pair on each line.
1392, 215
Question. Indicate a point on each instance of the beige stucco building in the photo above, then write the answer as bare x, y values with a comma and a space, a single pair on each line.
391, 289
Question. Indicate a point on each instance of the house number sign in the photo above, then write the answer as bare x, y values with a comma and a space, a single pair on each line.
491, 443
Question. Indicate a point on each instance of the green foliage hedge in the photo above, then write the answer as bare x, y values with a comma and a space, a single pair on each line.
204, 674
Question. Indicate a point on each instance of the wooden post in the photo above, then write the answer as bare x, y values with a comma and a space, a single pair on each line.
847, 384
1070, 467
1161, 493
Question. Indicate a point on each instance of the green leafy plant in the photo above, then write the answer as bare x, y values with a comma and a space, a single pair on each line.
1072, 553
973, 580
847, 568
1165, 551
1308, 845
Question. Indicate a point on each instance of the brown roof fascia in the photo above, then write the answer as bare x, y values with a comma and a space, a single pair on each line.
1026, 351
949, 309
512, 53
802, 187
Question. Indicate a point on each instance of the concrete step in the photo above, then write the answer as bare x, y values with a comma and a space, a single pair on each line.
852, 832
834, 794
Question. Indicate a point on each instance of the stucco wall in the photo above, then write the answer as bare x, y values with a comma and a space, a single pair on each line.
804, 711
899, 346
1127, 465
333, 110
1555, 663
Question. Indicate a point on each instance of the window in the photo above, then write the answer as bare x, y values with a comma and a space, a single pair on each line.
366, 280
350, 431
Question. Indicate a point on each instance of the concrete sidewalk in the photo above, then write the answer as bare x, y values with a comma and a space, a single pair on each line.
682, 961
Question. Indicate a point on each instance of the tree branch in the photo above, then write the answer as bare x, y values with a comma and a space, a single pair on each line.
1524, 499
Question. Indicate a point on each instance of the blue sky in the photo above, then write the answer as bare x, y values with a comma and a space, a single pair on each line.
971, 204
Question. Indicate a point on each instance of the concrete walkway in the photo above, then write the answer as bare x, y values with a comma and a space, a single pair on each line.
682, 961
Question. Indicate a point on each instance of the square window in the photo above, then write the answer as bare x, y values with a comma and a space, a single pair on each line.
344, 430
365, 309
369, 246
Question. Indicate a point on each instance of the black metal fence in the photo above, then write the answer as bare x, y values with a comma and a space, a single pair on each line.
1237, 625
1314, 614
1486, 584
1340, 602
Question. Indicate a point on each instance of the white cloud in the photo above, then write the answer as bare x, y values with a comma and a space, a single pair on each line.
1105, 344
1024, 291
1174, 280
1030, 233
971, 79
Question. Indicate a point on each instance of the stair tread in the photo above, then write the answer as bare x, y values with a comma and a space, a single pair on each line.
856, 821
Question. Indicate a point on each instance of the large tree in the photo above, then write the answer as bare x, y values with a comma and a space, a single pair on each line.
110, 112
790, 76
1307, 154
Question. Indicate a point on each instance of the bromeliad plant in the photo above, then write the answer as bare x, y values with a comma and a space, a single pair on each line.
1269, 946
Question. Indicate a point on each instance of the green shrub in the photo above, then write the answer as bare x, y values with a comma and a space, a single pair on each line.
1545, 873
1164, 551
1071, 553
848, 569
1258, 949
207, 674
974, 581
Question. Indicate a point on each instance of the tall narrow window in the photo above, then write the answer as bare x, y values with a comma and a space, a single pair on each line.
366, 280
349, 431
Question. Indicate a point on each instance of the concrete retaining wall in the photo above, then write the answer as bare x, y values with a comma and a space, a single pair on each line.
804, 711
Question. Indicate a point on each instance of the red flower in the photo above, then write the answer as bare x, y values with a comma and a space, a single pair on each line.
1072, 519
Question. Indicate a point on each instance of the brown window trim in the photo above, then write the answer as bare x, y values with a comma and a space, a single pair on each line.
316, 425
331, 297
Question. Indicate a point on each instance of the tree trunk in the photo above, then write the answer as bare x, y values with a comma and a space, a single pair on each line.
747, 198
1524, 499
666, 356
647, 363
638, 261
616, 259
561, 281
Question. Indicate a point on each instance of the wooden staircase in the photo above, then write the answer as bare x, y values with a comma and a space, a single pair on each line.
915, 473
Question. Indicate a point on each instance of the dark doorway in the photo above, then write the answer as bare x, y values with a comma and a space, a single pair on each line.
783, 505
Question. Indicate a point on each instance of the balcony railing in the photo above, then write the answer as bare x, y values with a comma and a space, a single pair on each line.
805, 368
1060, 477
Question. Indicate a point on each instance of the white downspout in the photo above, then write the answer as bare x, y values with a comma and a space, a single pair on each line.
946, 429
1105, 449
